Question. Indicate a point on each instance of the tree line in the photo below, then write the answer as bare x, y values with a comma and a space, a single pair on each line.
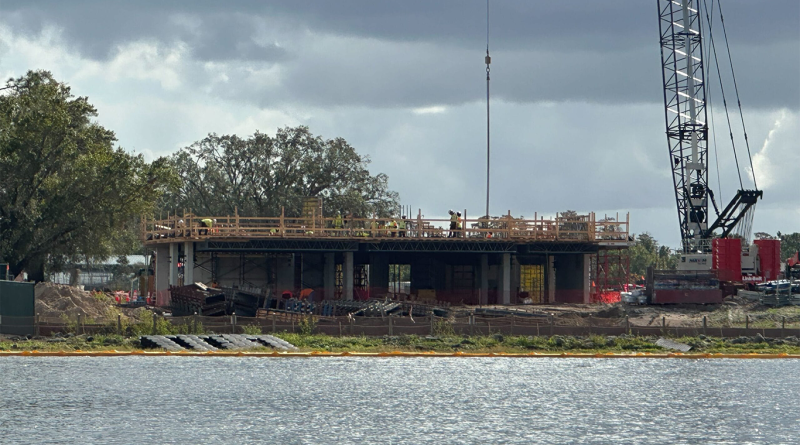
646, 252
69, 192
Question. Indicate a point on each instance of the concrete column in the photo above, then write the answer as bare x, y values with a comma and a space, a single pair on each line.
378, 274
587, 265
551, 279
162, 267
173, 264
330, 276
505, 273
347, 272
484, 299
188, 265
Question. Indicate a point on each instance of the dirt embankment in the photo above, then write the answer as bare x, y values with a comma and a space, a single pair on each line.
733, 312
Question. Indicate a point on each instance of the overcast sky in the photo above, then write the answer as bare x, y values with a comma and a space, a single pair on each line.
577, 112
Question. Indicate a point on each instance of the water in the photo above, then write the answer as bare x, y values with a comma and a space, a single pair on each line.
398, 401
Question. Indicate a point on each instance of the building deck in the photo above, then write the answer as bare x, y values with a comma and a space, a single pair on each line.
502, 234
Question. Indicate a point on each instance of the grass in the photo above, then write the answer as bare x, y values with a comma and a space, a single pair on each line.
412, 343
511, 344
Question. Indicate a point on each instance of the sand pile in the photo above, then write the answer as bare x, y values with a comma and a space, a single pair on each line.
53, 300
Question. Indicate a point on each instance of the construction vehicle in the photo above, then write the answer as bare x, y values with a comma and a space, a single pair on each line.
793, 266
714, 247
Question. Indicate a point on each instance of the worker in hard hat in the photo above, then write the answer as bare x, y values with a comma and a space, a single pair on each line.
338, 224
206, 224
453, 220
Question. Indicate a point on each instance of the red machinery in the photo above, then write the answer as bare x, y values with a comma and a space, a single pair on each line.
761, 262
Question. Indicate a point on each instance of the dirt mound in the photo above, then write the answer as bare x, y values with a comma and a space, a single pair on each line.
615, 311
55, 300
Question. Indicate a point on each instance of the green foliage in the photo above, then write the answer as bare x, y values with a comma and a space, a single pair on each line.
251, 329
307, 325
259, 174
646, 252
65, 190
790, 244
443, 328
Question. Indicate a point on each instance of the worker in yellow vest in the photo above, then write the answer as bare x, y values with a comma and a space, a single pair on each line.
453, 220
402, 226
206, 223
338, 224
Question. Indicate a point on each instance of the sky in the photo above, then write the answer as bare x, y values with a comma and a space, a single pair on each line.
577, 104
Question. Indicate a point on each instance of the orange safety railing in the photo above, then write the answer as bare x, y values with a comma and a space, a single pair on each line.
580, 228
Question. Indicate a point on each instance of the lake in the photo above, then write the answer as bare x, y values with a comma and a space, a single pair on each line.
398, 400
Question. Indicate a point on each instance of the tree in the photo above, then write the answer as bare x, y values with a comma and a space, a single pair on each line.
646, 252
790, 244
65, 190
258, 175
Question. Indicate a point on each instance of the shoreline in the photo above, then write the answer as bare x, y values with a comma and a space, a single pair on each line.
398, 354
426, 346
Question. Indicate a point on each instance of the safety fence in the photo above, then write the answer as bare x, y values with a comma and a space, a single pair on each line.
387, 325
586, 228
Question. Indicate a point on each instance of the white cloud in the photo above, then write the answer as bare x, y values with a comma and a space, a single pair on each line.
436, 109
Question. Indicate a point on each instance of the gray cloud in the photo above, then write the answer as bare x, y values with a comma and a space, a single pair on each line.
415, 53
577, 114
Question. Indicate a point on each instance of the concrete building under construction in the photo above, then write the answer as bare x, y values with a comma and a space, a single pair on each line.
502, 260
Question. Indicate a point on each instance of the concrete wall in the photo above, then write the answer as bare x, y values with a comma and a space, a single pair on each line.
313, 271
571, 274
378, 274
285, 272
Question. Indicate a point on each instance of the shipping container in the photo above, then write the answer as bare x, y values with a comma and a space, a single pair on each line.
687, 296
17, 308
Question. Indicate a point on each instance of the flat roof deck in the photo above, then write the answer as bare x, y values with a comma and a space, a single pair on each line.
500, 234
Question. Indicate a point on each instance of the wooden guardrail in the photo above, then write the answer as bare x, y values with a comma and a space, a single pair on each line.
580, 228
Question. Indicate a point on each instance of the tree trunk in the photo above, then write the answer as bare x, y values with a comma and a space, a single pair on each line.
35, 270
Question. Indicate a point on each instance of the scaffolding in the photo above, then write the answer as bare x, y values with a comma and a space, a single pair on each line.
609, 273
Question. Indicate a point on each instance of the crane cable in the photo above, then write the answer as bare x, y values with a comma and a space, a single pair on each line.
724, 100
736, 88
711, 108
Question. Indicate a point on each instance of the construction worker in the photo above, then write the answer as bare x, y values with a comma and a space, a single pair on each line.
402, 226
458, 225
373, 228
338, 224
393, 227
206, 223
453, 220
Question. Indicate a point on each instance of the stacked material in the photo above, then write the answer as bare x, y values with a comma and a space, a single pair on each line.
214, 342
197, 299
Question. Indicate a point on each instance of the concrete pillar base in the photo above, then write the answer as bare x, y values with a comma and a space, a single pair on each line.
347, 272
505, 271
173, 264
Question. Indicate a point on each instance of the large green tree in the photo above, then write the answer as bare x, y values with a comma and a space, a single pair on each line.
790, 244
259, 174
66, 191
647, 252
